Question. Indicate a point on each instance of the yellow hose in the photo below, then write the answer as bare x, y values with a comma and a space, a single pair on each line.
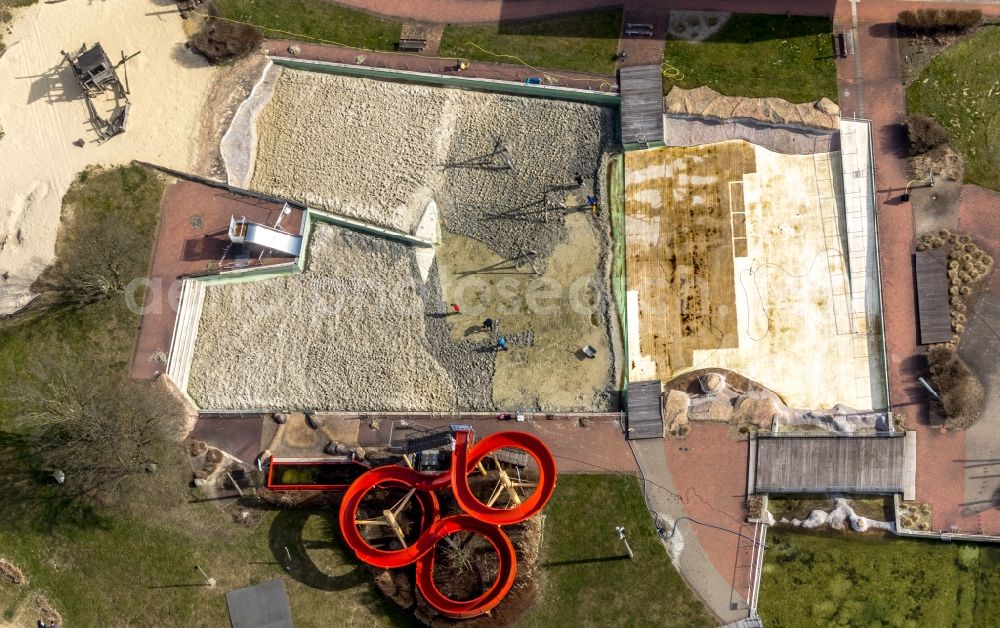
670, 72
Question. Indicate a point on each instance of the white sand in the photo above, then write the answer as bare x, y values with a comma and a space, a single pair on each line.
42, 113
349, 333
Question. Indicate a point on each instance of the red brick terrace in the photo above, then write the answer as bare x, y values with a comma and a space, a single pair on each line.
190, 240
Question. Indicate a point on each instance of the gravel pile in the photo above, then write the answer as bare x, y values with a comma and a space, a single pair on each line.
547, 142
378, 151
350, 333
367, 149
469, 363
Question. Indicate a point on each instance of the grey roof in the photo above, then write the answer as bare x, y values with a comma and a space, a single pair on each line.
261, 606
813, 462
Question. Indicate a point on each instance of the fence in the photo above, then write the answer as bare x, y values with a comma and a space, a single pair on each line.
458, 82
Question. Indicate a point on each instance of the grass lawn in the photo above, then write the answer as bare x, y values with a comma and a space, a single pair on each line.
105, 328
961, 90
810, 579
135, 564
132, 560
585, 42
760, 55
585, 580
317, 20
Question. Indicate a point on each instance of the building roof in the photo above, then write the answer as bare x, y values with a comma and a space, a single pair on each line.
261, 606
822, 463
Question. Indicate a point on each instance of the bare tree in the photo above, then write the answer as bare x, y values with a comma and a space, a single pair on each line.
92, 422
96, 261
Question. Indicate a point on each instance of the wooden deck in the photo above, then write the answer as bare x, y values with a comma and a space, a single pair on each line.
642, 105
932, 297
645, 410
808, 463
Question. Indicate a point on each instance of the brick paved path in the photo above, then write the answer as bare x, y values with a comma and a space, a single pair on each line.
879, 96
704, 557
435, 65
472, 11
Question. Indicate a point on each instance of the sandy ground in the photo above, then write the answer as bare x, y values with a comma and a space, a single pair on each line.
547, 319
349, 333
42, 113
795, 331
468, 171
367, 149
379, 151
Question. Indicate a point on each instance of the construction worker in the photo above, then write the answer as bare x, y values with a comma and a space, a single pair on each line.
502, 343
455, 309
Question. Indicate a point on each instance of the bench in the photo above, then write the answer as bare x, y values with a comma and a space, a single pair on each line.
645, 30
414, 44
840, 45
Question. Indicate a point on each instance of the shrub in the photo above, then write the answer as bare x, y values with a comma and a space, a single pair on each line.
220, 41
925, 133
931, 20
961, 392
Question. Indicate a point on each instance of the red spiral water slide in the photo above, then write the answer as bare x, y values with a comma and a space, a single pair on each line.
479, 518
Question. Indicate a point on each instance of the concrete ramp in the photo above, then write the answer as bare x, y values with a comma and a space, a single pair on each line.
816, 462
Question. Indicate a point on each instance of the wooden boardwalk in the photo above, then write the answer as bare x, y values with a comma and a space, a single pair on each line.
645, 410
932, 297
816, 463
642, 106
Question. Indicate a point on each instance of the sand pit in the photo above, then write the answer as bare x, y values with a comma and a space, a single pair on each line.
42, 114
367, 326
760, 273
360, 331
349, 333
378, 151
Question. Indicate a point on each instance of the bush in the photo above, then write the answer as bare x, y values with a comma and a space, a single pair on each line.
220, 41
925, 133
929, 20
960, 390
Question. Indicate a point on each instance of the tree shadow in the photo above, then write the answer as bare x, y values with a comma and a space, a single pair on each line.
749, 28
883, 30
894, 140
32, 500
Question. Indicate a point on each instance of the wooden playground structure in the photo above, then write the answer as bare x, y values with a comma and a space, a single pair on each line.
97, 76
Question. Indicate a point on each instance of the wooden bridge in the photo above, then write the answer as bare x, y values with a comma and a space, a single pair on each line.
817, 462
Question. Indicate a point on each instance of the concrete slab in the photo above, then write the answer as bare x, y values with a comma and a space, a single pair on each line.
800, 322
910, 466
935, 208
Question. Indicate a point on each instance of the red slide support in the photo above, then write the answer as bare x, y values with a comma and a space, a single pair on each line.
479, 518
